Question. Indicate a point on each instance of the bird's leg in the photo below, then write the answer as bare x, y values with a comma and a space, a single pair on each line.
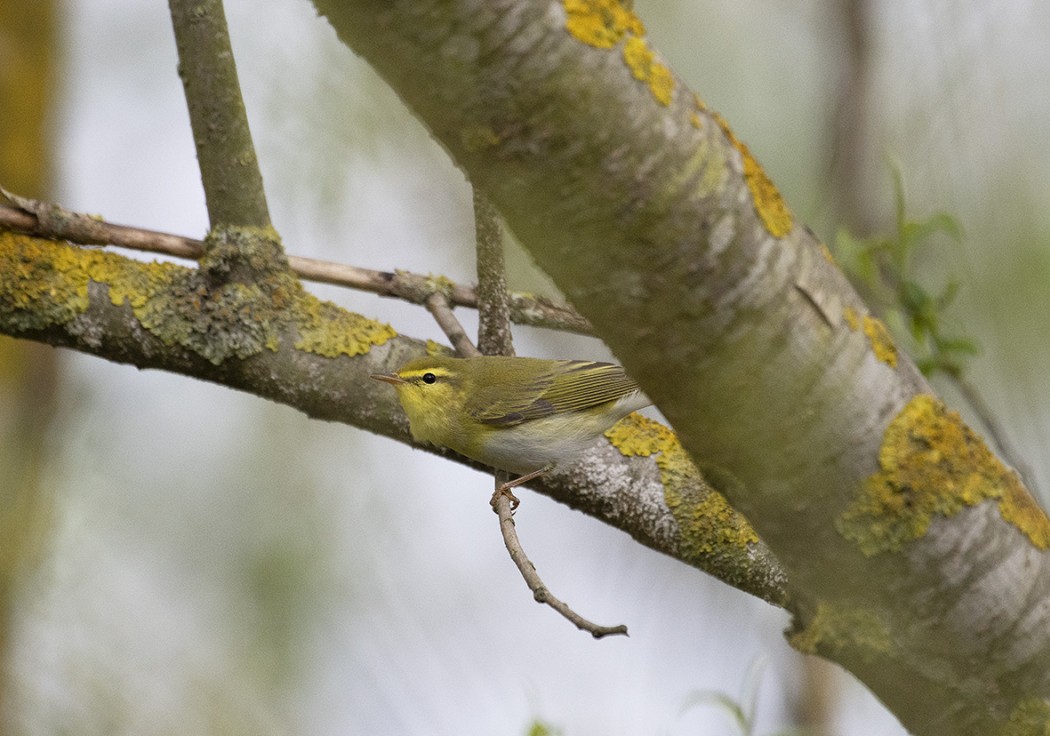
504, 488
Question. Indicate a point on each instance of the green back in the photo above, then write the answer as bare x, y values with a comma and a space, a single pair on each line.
515, 390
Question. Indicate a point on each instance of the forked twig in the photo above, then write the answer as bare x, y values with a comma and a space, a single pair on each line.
48, 220
52, 221
438, 306
540, 591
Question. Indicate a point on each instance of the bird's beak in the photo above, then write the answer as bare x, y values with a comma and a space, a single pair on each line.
391, 378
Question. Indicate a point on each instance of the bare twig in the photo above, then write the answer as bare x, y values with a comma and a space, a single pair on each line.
55, 222
437, 304
540, 591
494, 338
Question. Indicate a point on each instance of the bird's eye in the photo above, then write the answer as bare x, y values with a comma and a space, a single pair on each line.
429, 378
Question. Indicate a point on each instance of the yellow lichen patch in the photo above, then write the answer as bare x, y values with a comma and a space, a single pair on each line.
644, 66
851, 317
931, 463
834, 629
878, 336
708, 523
436, 348
29, 279
881, 342
696, 117
330, 331
441, 284
769, 205
1019, 508
175, 304
604, 24
477, 138
637, 436
1030, 716
44, 284
601, 23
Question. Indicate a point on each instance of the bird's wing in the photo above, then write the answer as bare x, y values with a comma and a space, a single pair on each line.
572, 386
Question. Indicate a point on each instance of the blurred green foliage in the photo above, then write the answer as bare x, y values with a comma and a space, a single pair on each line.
740, 709
540, 728
883, 269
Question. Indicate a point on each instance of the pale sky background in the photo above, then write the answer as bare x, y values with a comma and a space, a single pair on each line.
221, 564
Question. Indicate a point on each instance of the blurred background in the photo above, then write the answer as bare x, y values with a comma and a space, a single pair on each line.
180, 558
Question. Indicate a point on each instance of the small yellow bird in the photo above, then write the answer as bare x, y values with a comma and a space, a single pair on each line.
522, 415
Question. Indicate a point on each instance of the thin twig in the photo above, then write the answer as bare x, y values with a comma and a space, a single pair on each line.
55, 222
540, 591
494, 338
437, 304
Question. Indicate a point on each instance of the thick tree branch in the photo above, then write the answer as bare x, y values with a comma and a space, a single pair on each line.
241, 245
663, 230
278, 342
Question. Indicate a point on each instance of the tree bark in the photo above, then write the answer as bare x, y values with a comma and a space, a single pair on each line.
914, 557
273, 339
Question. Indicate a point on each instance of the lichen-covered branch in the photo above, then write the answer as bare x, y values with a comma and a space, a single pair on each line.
275, 340
661, 227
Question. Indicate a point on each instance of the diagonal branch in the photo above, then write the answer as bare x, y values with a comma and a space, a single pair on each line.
540, 591
662, 228
285, 345
438, 306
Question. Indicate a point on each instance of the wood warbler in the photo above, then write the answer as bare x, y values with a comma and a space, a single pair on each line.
522, 415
